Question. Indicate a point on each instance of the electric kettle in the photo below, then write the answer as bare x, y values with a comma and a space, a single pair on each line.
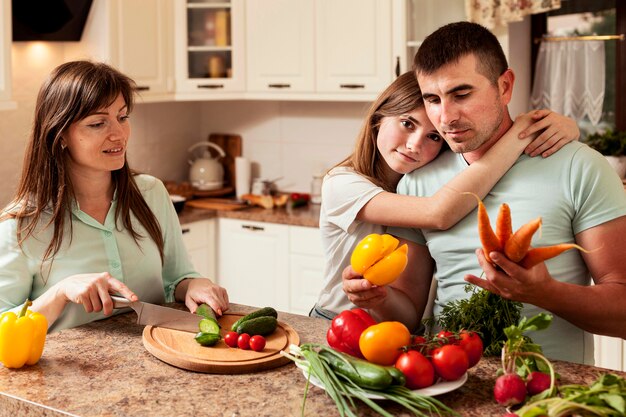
206, 173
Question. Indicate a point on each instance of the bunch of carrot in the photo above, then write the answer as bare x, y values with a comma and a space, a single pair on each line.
515, 246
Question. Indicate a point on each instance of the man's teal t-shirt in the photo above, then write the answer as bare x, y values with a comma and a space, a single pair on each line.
573, 190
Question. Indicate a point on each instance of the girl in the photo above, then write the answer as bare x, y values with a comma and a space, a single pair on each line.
358, 195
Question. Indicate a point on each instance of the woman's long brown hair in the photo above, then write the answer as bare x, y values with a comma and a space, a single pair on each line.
401, 97
73, 91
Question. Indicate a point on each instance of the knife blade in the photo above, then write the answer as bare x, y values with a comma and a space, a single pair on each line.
160, 316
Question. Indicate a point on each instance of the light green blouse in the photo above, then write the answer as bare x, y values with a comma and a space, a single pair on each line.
95, 248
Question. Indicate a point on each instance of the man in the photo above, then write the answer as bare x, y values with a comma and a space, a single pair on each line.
467, 85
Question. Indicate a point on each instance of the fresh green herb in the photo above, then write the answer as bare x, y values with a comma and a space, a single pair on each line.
485, 313
343, 389
606, 397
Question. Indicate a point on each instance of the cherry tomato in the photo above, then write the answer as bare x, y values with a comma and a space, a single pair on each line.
230, 339
472, 345
450, 362
417, 369
244, 341
381, 343
447, 337
257, 343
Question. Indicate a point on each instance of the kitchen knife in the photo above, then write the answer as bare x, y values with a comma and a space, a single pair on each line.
159, 316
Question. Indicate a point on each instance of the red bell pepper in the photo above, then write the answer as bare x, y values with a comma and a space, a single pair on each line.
345, 330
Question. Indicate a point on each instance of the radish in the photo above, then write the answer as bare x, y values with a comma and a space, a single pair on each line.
509, 390
537, 382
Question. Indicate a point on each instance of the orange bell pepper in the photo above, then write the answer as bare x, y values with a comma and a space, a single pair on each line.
22, 337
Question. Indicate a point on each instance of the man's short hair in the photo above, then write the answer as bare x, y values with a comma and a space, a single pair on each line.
453, 41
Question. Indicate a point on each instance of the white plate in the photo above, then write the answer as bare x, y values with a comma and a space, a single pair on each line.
436, 389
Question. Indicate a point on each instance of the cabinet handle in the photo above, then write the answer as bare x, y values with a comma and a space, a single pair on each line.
143, 88
397, 66
186, 230
352, 86
211, 86
279, 85
252, 228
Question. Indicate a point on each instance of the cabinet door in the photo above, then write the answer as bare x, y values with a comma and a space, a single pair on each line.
5, 53
253, 262
610, 352
200, 239
354, 57
279, 50
209, 42
142, 44
306, 268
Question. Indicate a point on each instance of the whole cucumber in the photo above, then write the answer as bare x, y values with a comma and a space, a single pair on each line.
263, 325
263, 312
363, 373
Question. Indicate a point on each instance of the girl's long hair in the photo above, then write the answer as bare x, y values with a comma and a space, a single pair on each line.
72, 91
401, 97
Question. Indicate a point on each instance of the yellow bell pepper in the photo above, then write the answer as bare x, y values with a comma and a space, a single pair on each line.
378, 259
22, 337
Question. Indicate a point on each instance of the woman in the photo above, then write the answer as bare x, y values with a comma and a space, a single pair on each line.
358, 195
82, 225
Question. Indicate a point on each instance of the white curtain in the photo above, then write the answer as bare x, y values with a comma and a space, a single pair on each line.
569, 78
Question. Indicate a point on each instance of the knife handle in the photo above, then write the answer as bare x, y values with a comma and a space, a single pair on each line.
120, 302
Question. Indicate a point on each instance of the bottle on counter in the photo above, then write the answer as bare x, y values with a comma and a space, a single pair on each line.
316, 189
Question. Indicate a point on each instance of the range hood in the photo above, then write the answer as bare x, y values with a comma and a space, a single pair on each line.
49, 20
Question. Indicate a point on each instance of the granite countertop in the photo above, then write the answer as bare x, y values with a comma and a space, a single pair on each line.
103, 369
302, 216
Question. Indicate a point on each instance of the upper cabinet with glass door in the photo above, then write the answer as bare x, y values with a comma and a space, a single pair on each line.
209, 46
414, 20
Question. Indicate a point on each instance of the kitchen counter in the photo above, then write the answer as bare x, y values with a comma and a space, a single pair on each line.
103, 369
302, 216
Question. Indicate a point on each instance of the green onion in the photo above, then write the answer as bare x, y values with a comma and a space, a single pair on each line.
343, 391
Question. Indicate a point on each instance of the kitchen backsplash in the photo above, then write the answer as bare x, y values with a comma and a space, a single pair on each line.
288, 140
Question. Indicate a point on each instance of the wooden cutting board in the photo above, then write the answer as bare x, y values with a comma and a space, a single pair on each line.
232, 146
216, 204
179, 349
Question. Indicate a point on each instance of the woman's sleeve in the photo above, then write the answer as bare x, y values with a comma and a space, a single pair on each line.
16, 279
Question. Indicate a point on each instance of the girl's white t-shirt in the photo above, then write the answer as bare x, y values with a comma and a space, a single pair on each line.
344, 193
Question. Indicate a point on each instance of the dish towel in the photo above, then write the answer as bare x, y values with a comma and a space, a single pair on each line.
569, 79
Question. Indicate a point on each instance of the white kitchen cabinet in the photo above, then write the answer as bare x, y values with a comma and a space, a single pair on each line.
5, 56
135, 36
610, 352
200, 239
267, 264
253, 264
306, 268
209, 46
317, 47
280, 50
353, 46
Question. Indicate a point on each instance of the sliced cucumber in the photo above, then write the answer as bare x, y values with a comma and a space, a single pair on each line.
209, 326
207, 339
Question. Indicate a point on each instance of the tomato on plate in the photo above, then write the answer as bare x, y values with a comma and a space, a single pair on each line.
257, 343
230, 339
472, 345
450, 362
417, 369
381, 343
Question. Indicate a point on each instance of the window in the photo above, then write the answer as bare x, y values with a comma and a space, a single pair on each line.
593, 17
